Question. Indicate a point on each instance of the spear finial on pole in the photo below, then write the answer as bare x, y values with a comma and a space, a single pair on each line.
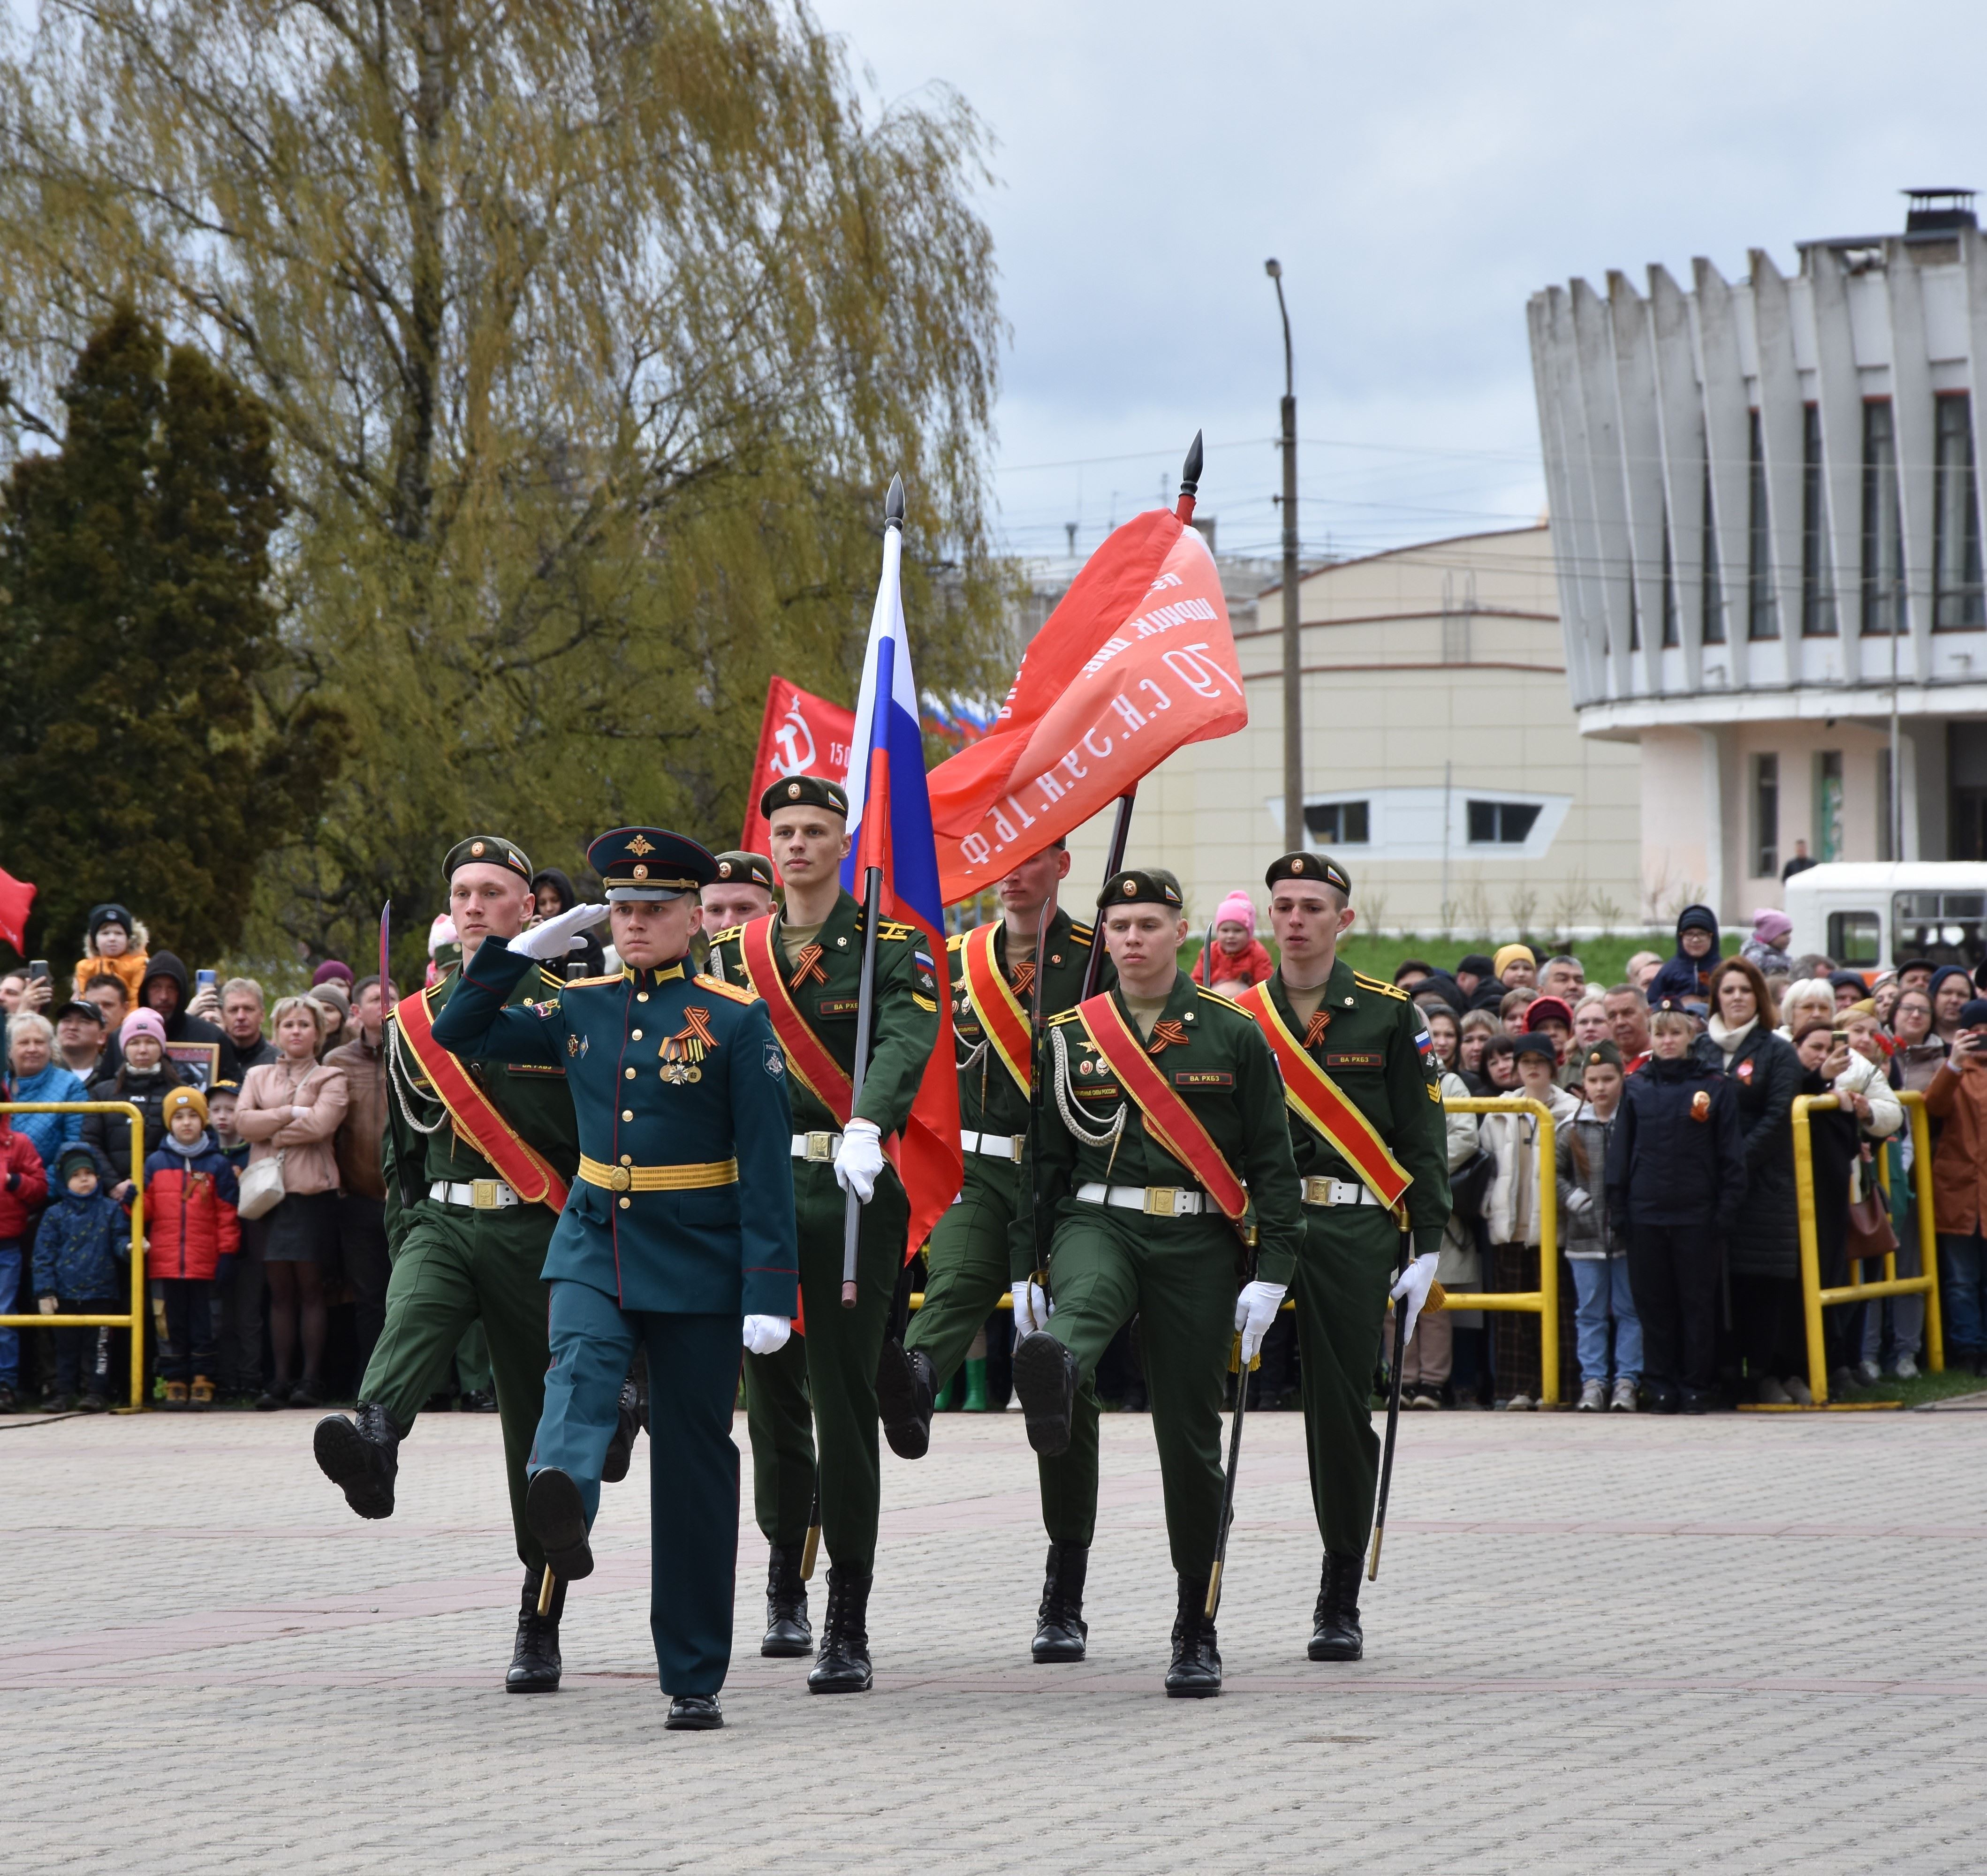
893, 504
1189, 479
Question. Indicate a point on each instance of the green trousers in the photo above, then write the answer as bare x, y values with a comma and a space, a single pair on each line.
967, 1259
841, 1349
456, 1266
1177, 1276
1350, 1255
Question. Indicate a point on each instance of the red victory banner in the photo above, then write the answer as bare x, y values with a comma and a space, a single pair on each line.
1136, 662
800, 735
17, 899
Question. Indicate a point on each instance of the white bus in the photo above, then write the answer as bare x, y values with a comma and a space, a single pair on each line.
1866, 916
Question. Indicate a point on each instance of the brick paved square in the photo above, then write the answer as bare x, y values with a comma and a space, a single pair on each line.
1743, 1642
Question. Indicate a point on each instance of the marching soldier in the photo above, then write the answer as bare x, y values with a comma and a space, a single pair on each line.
743, 891
806, 961
1163, 1100
1361, 1086
680, 1090
996, 974
477, 1163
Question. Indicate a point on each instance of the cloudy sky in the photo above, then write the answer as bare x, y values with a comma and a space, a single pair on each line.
1419, 170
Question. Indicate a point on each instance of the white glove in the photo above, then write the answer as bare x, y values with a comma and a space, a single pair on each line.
767, 1335
1416, 1281
1255, 1310
859, 1160
558, 934
1032, 1309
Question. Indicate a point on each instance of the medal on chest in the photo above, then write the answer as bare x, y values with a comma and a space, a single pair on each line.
683, 1051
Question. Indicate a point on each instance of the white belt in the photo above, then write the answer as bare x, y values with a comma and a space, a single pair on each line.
1336, 1192
1161, 1201
482, 1195
816, 1146
993, 1145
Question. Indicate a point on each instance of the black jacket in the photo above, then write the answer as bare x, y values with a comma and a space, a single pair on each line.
108, 1136
181, 1027
1765, 1074
590, 955
1665, 1165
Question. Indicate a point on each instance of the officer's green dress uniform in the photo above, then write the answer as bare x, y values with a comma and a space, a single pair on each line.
1179, 1274
841, 1346
680, 1224
1376, 1048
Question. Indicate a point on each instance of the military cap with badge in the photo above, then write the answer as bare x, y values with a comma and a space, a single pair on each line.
487, 850
745, 869
804, 791
1315, 868
1141, 885
650, 864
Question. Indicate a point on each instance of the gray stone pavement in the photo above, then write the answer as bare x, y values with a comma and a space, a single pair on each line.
1739, 1643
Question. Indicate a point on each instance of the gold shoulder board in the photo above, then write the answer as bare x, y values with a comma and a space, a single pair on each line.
718, 987
730, 932
1380, 985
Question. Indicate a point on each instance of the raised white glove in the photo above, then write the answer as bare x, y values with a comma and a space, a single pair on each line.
859, 1160
558, 935
1416, 1281
1032, 1309
767, 1335
1255, 1310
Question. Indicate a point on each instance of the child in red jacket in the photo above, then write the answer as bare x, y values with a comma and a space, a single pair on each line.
23, 1185
193, 1231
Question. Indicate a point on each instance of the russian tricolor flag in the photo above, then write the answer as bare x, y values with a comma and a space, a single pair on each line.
890, 828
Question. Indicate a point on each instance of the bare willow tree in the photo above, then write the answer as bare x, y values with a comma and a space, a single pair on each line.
590, 331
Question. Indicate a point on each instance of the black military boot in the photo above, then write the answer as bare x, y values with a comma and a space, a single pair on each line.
360, 1458
842, 1666
1195, 1672
554, 1514
1335, 1634
788, 1631
1060, 1633
627, 1424
1045, 1383
905, 1388
693, 1713
535, 1662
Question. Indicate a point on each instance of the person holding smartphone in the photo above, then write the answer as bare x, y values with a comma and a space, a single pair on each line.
1957, 1096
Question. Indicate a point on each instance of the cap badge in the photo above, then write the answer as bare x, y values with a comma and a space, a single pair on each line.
476, 848
1297, 865
1131, 886
792, 791
640, 845
641, 872
724, 869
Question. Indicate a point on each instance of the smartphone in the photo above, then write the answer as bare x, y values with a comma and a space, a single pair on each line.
1837, 1038
38, 967
206, 979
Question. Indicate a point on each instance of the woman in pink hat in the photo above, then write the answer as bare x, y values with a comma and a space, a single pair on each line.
145, 1079
1238, 960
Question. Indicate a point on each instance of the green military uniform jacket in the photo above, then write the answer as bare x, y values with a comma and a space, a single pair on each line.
1224, 1072
1377, 1050
824, 991
531, 1095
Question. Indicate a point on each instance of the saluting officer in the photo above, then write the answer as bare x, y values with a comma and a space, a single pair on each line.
1162, 1127
996, 973
477, 1162
806, 960
681, 1092
1366, 1127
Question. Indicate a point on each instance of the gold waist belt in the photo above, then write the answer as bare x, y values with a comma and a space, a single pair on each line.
658, 1178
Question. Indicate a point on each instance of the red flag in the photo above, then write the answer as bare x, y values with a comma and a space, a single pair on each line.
1136, 662
16, 897
800, 734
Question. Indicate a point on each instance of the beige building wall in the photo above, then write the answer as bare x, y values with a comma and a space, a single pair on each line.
1434, 676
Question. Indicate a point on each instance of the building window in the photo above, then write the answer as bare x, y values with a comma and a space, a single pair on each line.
1817, 588
1501, 824
1762, 620
1671, 635
1338, 824
1710, 588
1828, 805
1765, 817
1957, 602
1883, 523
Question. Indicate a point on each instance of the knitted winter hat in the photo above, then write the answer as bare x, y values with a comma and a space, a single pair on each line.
1239, 907
71, 1160
183, 1098
142, 1022
1508, 955
1771, 926
1972, 1014
1543, 1009
330, 969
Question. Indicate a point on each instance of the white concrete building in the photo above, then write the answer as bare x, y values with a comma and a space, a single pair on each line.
1767, 523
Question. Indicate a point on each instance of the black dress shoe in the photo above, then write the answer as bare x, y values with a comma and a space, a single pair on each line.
905, 1388
627, 1424
555, 1517
535, 1660
1045, 1383
1335, 1633
693, 1713
1060, 1633
842, 1666
1195, 1672
478, 1400
788, 1633
360, 1458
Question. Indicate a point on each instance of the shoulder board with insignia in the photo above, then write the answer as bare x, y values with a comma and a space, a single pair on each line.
955, 942
1227, 1003
1065, 1016
1081, 934
890, 928
1381, 985
554, 979
580, 983
729, 932
718, 987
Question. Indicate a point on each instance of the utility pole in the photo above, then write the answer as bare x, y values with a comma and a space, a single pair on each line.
1294, 834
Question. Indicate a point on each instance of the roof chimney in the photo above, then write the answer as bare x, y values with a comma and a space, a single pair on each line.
1939, 210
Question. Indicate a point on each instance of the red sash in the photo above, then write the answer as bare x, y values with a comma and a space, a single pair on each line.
999, 1010
1317, 1099
478, 1120
1168, 1118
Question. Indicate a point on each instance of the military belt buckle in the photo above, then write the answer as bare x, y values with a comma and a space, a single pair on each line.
820, 1146
1163, 1201
1014, 1147
620, 1180
482, 1194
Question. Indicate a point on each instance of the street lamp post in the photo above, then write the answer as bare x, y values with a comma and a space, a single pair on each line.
1293, 819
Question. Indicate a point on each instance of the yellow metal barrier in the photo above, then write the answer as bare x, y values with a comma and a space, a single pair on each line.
1814, 1298
135, 1322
